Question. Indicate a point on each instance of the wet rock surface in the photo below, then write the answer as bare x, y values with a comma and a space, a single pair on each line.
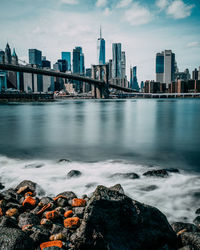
125, 175
74, 173
108, 220
157, 173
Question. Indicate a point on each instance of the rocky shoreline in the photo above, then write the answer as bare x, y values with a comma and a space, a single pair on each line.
108, 219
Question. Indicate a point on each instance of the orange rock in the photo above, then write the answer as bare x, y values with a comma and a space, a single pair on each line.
71, 223
30, 201
56, 243
12, 212
68, 213
28, 194
51, 215
44, 209
78, 202
1, 212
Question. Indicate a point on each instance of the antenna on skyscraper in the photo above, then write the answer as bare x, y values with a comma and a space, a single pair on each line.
100, 32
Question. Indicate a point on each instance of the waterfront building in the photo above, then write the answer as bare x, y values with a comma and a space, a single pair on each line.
195, 74
110, 69
133, 78
142, 86
123, 64
166, 67
116, 60
101, 50
76, 61
14, 58
35, 57
67, 56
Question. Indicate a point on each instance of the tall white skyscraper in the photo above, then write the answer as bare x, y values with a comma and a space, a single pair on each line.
165, 67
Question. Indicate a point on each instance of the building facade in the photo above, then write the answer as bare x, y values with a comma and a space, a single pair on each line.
165, 67
67, 56
116, 60
123, 64
35, 57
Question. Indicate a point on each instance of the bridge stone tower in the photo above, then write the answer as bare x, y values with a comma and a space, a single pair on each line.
100, 72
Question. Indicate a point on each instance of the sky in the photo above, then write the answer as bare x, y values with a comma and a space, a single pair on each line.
142, 27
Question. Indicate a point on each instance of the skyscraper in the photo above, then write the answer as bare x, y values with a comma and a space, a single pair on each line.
8, 57
165, 67
123, 64
78, 61
195, 74
133, 78
67, 56
116, 61
101, 50
35, 57
160, 67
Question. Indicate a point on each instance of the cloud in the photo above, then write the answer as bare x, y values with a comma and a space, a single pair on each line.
72, 2
101, 3
124, 3
162, 4
137, 15
193, 45
178, 9
107, 12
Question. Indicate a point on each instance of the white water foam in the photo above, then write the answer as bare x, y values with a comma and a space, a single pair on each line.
174, 196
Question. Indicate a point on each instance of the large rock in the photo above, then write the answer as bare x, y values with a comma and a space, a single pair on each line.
74, 173
31, 185
28, 219
14, 239
114, 221
125, 175
157, 173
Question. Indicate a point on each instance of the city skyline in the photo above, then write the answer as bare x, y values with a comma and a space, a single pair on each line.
140, 37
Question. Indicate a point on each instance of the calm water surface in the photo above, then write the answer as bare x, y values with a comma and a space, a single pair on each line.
165, 132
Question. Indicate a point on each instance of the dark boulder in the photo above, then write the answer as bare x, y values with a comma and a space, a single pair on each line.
74, 173
157, 173
178, 226
28, 219
125, 175
197, 211
63, 160
62, 202
68, 194
191, 239
197, 221
79, 211
6, 221
11, 196
31, 185
1, 186
149, 188
40, 234
14, 239
114, 221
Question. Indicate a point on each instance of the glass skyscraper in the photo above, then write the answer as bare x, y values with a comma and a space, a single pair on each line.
101, 50
67, 56
133, 78
35, 57
117, 60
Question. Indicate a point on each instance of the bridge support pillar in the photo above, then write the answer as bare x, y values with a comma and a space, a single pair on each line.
100, 72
